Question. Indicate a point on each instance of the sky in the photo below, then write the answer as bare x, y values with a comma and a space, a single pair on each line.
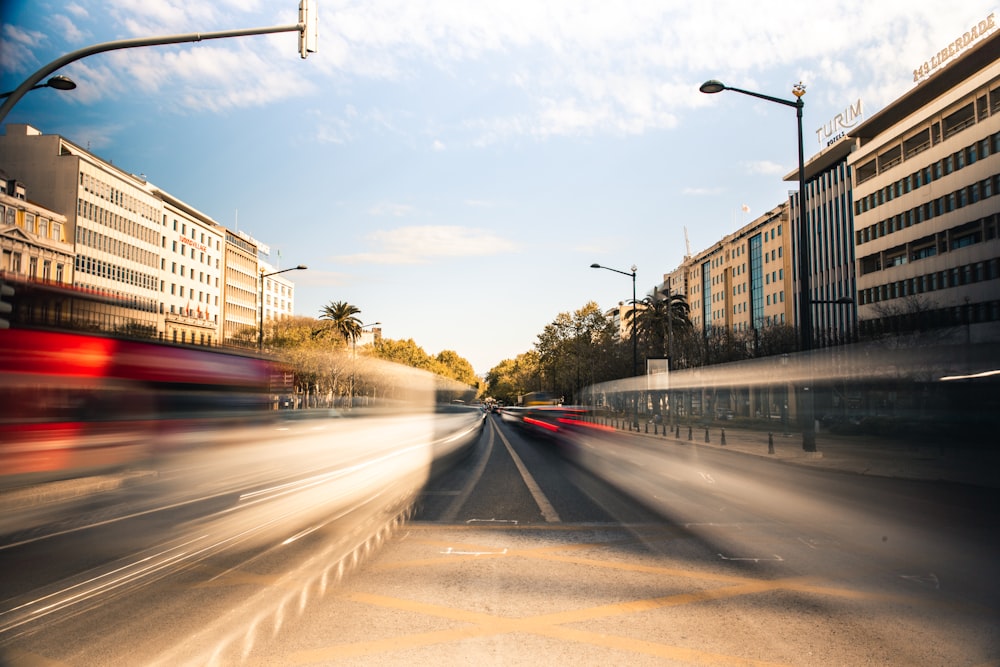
454, 167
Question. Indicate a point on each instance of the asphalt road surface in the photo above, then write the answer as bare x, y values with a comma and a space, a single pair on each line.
521, 557
617, 550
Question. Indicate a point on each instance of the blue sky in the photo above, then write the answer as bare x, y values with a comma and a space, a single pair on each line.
453, 167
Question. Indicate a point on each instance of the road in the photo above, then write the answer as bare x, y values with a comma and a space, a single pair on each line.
520, 557
616, 549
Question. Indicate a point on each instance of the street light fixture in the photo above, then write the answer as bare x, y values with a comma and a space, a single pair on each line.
805, 311
59, 82
260, 330
635, 342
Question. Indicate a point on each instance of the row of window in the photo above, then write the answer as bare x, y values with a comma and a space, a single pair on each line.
121, 274
933, 318
94, 239
203, 258
203, 338
932, 282
36, 224
960, 236
12, 261
179, 290
127, 300
117, 197
933, 133
119, 223
932, 172
202, 276
984, 189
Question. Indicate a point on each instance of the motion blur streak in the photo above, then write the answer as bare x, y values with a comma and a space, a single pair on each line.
120, 471
859, 363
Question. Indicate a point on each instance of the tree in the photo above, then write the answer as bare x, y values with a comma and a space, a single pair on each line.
514, 377
661, 320
341, 315
457, 368
578, 350
405, 352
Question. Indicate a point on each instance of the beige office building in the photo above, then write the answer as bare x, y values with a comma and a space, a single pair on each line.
241, 317
926, 185
743, 282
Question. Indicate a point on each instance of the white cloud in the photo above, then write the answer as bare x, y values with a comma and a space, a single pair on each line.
17, 48
65, 26
561, 67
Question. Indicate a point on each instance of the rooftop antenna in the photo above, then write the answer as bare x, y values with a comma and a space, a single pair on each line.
687, 245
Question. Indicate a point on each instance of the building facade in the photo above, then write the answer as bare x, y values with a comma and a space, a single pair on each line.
926, 186
743, 282
830, 215
278, 292
149, 263
191, 270
240, 289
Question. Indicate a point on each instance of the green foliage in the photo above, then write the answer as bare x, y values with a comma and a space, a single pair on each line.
447, 364
342, 321
514, 377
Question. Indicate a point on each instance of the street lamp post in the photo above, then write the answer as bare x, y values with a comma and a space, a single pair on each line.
635, 342
260, 330
805, 310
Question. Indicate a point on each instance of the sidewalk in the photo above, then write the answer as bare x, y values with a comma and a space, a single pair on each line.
863, 455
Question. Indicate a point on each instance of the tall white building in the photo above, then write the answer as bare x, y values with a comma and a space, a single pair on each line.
191, 272
926, 202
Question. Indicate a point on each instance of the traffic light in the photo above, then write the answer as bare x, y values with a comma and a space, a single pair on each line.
308, 32
6, 291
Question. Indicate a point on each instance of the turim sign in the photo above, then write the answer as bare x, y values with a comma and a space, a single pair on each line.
953, 49
836, 129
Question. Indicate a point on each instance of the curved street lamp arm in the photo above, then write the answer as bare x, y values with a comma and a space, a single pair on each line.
56, 64
769, 98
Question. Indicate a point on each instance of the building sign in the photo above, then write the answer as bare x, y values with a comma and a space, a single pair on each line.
836, 129
194, 244
953, 49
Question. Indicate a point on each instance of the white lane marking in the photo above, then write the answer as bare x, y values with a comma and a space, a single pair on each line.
512, 521
548, 512
451, 552
448, 516
708, 478
775, 557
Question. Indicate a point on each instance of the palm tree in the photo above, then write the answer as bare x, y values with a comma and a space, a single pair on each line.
342, 316
659, 321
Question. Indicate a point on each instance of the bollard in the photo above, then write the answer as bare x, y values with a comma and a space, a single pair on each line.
689, 433
770, 443
706, 434
677, 431
647, 427
723, 441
